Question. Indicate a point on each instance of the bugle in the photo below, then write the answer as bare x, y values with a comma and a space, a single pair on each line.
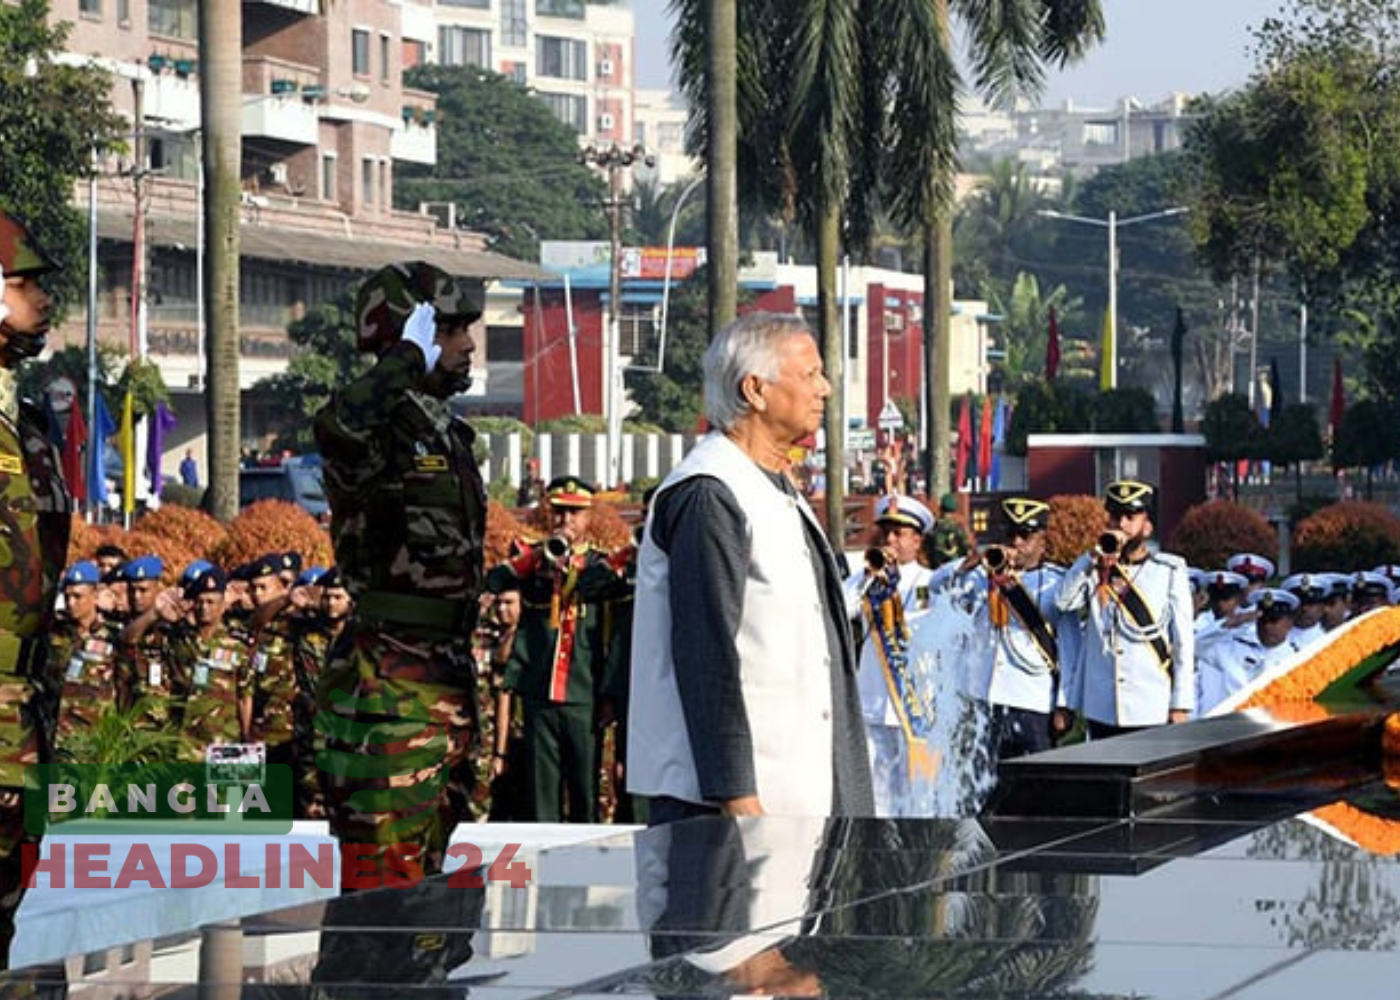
1109, 544
997, 558
875, 559
556, 548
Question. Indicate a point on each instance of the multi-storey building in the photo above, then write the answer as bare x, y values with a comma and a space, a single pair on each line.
576, 55
326, 119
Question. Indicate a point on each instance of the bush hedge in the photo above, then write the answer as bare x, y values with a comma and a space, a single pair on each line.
1346, 537
1076, 521
1212, 532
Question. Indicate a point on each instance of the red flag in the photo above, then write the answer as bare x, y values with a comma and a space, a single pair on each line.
1338, 408
1052, 349
984, 442
74, 444
964, 441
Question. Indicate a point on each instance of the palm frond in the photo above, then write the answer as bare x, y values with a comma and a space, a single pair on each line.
1070, 28
1004, 42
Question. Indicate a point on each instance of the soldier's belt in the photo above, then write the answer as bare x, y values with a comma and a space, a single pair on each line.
21, 656
389, 608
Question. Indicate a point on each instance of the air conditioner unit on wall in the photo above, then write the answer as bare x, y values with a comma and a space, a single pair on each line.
605, 67
605, 122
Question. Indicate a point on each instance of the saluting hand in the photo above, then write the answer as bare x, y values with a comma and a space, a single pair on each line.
420, 330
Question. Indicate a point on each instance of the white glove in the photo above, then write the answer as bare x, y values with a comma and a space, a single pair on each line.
4, 309
420, 329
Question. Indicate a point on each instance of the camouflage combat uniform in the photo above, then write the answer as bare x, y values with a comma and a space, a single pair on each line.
311, 642
274, 687
150, 677
35, 511
215, 674
85, 670
397, 699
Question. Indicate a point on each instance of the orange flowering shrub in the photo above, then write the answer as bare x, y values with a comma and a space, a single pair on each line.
1076, 522
193, 529
1212, 532
175, 554
273, 526
1366, 830
502, 527
1345, 537
84, 538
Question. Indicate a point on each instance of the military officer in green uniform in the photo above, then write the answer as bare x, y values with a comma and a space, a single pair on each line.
83, 662
35, 511
147, 672
214, 664
313, 635
557, 663
397, 699
267, 712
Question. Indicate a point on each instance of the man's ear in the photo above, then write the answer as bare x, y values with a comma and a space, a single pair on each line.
752, 390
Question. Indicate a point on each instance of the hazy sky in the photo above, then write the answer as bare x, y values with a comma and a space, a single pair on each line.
1153, 47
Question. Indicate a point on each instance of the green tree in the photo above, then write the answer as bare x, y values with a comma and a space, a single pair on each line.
1048, 408
53, 122
1365, 438
1293, 438
1025, 326
998, 229
1127, 410
326, 357
672, 398
507, 163
1232, 433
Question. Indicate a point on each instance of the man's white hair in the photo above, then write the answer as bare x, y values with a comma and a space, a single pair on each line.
747, 346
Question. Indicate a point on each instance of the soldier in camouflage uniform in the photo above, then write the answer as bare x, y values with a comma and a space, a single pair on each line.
35, 510
408, 518
312, 638
148, 674
267, 713
213, 663
83, 662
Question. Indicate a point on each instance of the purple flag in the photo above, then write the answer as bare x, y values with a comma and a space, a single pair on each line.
162, 422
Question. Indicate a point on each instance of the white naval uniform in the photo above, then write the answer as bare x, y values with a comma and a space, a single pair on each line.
1118, 679
1017, 675
1229, 665
1300, 637
874, 690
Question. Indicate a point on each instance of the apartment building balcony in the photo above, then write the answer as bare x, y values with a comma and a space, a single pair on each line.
310, 7
275, 101
415, 140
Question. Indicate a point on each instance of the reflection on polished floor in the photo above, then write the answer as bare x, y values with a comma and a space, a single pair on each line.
1221, 890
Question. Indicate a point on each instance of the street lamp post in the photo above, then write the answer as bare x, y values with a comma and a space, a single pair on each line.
1113, 224
614, 159
666, 283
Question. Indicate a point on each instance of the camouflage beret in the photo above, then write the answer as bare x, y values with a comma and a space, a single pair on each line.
20, 253
387, 296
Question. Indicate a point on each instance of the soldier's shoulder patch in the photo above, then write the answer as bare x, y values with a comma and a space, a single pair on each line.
11, 464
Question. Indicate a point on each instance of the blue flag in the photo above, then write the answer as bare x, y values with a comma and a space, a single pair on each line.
998, 441
103, 427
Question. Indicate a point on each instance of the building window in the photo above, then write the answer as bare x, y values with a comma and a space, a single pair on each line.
90, 8
514, 71
560, 8
638, 334
384, 197
124, 13
477, 4
328, 177
570, 109
367, 181
359, 52
505, 343
561, 58
384, 44
513, 24
173, 19
1100, 133
415, 53
464, 47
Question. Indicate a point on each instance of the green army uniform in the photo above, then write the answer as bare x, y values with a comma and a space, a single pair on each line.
274, 689
555, 668
949, 539
311, 642
397, 699
85, 668
150, 678
216, 673
35, 521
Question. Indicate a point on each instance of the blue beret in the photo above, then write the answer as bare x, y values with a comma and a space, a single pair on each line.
143, 568
207, 581
194, 569
310, 577
81, 572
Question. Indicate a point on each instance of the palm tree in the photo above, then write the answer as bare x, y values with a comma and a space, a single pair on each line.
1010, 42
221, 88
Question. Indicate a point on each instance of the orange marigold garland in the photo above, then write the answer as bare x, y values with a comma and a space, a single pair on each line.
1344, 660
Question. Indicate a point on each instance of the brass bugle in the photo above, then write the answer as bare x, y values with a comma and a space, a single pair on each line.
875, 558
1108, 544
556, 548
996, 557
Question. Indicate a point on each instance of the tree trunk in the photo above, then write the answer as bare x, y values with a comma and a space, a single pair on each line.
221, 91
721, 179
938, 313
829, 320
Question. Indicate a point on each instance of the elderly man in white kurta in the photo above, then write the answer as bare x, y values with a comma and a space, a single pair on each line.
881, 597
1137, 660
743, 693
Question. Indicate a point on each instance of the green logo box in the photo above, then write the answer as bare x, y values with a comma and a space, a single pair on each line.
224, 799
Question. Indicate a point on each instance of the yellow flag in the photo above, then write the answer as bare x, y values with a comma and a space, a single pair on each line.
128, 445
1106, 358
